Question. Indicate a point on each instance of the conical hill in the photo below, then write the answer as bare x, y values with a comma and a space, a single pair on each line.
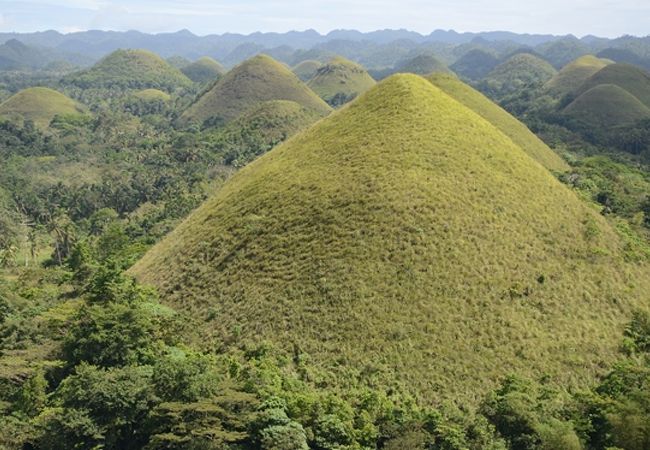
256, 80
40, 105
403, 243
574, 74
340, 81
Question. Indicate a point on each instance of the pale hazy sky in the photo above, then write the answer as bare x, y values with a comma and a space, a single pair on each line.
580, 17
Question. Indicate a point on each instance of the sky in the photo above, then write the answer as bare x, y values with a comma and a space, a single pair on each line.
607, 18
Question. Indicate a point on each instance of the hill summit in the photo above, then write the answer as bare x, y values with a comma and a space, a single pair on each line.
626, 76
256, 80
203, 70
571, 76
40, 105
405, 243
340, 81
130, 69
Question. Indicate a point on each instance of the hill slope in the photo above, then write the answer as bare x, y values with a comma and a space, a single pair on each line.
40, 105
571, 76
256, 80
518, 71
421, 65
633, 79
403, 243
203, 70
307, 69
130, 69
607, 106
340, 80
500, 118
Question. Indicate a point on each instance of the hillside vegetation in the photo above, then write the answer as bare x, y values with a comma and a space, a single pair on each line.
40, 105
520, 70
574, 74
501, 119
631, 78
307, 69
340, 81
130, 69
607, 106
203, 70
257, 80
404, 243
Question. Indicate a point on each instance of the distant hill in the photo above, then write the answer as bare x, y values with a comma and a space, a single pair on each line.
255, 81
203, 70
178, 61
631, 78
16, 56
621, 55
39, 105
607, 106
406, 244
130, 69
475, 64
501, 119
423, 64
571, 76
562, 51
340, 81
307, 69
522, 69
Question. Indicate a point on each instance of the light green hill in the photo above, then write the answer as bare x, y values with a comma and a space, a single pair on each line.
203, 70
403, 243
39, 105
340, 81
307, 69
571, 76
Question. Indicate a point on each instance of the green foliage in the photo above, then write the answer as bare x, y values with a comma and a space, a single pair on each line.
521, 71
203, 70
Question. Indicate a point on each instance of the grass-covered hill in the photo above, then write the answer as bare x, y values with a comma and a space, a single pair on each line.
256, 80
607, 106
307, 69
406, 244
340, 81
152, 95
130, 69
475, 64
522, 69
631, 78
574, 74
260, 129
203, 70
421, 65
40, 105
501, 119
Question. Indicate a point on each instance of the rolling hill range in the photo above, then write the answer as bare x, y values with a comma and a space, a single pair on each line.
403, 243
574, 74
340, 81
518, 71
631, 78
257, 80
501, 119
307, 69
39, 105
607, 106
130, 69
203, 70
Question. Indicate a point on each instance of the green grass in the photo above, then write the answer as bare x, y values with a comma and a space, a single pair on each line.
631, 78
607, 106
203, 70
152, 95
340, 80
571, 76
254, 81
501, 119
404, 243
40, 105
307, 69
520, 70
130, 69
